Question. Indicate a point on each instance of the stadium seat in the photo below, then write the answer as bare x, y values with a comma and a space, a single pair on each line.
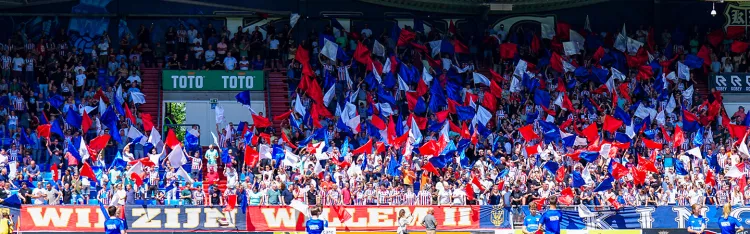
93, 202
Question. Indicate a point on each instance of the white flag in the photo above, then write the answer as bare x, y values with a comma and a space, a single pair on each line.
520, 69
298, 107
660, 119
482, 116
133, 133
219, 114
671, 104
642, 111
671, 76
177, 157
584, 211
402, 86
435, 45
118, 94
577, 38
634, 45
587, 176
328, 97
387, 65
617, 74
548, 31
216, 141
353, 123
137, 169
688, 93
571, 48
293, 19
481, 79
264, 151
102, 106
378, 49
182, 173
330, 49
300, 207
155, 139
621, 42
683, 71
743, 147
515, 85
414, 132
587, 25
426, 77
376, 74
569, 67
137, 97
84, 151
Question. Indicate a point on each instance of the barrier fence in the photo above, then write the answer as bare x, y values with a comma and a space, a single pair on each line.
363, 218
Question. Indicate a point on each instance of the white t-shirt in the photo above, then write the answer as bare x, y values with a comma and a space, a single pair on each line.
40, 193
103, 47
191, 34
444, 197
18, 64
80, 80
230, 62
458, 196
274, 44
135, 78
121, 195
198, 51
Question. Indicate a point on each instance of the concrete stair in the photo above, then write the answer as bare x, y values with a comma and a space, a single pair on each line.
277, 95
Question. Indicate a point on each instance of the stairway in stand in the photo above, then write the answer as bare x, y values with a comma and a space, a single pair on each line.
701, 87
151, 87
278, 95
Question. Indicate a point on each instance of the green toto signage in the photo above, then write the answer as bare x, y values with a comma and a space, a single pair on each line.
195, 80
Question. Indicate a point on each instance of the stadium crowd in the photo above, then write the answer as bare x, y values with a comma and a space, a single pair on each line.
409, 117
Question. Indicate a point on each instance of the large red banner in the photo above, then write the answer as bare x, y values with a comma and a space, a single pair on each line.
61, 218
364, 218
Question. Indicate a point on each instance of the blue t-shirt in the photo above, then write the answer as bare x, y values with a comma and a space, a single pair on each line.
315, 226
532, 222
728, 225
113, 226
551, 220
696, 222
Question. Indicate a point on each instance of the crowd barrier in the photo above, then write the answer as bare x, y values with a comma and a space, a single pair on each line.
363, 218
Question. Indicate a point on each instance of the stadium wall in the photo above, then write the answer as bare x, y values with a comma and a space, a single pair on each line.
261, 219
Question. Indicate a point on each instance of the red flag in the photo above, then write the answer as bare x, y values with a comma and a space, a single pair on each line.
377, 122
55, 173
535, 44
430, 168
401, 139
302, 55
231, 202
599, 54
618, 170
734, 32
737, 131
421, 88
489, 102
710, 179
251, 155
459, 47
739, 47
651, 144
136, 178
624, 91
452, 28
567, 104
342, 213
172, 140
678, 136
128, 114
287, 141
591, 133
99, 143
469, 192
611, 124
716, 37
43, 130
560, 175
421, 121
418, 47
528, 132
532, 150
379, 147
705, 55
647, 165
362, 54
650, 41
562, 31
260, 121
639, 176
283, 116
508, 50
86, 121
496, 77
475, 181
148, 123
666, 134
496, 90
405, 37
575, 155
429, 148
614, 203
566, 196
442, 115
146, 162
87, 172
364, 149
556, 62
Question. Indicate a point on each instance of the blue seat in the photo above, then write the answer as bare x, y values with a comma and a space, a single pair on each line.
13, 192
174, 202
93, 202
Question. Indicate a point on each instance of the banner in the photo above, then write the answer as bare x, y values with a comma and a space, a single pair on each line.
215, 80
730, 82
184, 218
364, 218
61, 219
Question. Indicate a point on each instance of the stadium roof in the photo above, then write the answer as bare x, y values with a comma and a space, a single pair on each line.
481, 6
4, 4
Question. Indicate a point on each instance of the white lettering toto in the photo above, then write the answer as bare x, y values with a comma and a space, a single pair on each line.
238, 82
187, 82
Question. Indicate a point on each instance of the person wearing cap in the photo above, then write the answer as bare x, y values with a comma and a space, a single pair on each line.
6, 223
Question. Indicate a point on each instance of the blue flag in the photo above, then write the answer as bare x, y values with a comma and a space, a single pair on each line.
13, 201
698, 139
73, 119
622, 115
551, 132
578, 180
56, 100
541, 97
605, 185
465, 112
243, 97
589, 156
552, 167
679, 168
56, 129
74, 152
